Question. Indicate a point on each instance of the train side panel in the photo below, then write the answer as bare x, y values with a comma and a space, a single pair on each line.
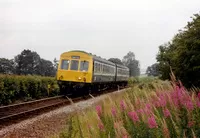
103, 71
122, 74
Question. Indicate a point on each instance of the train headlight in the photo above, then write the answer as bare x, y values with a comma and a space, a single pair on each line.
84, 79
79, 78
61, 77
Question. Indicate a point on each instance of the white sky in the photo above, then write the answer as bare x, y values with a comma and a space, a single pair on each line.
107, 28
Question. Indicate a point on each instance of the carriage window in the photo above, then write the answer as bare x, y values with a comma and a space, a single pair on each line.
74, 65
95, 67
84, 66
98, 68
65, 64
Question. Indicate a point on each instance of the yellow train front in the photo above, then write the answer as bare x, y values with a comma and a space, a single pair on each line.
80, 73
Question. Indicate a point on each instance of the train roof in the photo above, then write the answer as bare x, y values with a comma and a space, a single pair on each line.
97, 58
122, 66
103, 60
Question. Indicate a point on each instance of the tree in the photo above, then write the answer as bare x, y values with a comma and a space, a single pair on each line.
27, 62
116, 60
55, 63
7, 66
128, 58
182, 55
152, 70
133, 64
47, 68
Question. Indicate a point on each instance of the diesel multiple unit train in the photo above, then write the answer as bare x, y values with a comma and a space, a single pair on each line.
81, 70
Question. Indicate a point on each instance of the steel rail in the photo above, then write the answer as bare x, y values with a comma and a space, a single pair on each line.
26, 114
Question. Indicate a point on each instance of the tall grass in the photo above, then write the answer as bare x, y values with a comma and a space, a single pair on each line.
155, 110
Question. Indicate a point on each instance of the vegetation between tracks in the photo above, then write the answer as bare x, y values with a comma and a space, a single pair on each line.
23, 88
151, 109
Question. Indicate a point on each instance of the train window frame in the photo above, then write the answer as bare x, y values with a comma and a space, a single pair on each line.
95, 67
82, 66
62, 64
74, 69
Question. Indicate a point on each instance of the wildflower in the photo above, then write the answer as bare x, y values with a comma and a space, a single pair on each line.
114, 112
198, 104
156, 104
166, 132
89, 126
133, 116
147, 111
162, 102
116, 125
176, 102
179, 94
189, 105
101, 126
141, 111
166, 113
99, 110
198, 95
190, 123
125, 136
152, 122
122, 104
148, 106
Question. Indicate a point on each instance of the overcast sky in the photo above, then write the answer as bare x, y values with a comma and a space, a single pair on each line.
108, 28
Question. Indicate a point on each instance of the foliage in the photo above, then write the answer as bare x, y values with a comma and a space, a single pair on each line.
13, 88
7, 66
133, 64
164, 111
116, 60
47, 68
152, 70
182, 55
28, 63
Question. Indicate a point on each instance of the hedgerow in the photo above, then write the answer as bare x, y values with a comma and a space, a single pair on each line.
23, 88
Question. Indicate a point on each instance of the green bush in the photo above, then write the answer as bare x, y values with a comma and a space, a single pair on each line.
23, 88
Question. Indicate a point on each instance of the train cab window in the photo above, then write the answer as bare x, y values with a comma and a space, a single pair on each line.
65, 64
74, 65
84, 66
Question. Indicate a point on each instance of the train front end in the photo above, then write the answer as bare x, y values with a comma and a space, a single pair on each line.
74, 71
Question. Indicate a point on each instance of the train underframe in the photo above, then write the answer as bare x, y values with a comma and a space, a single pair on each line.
80, 89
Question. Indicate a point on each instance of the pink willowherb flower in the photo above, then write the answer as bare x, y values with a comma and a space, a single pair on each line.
198, 95
198, 104
147, 111
156, 104
114, 112
101, 126
133, 116
166, 113
190, 123
125, 136
189, 105
99, 110
179, 92
152, 122
141, 111
89, 126
162, 102
122, 105
148, 106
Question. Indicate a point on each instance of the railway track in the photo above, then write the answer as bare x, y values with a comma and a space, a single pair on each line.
15, 113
